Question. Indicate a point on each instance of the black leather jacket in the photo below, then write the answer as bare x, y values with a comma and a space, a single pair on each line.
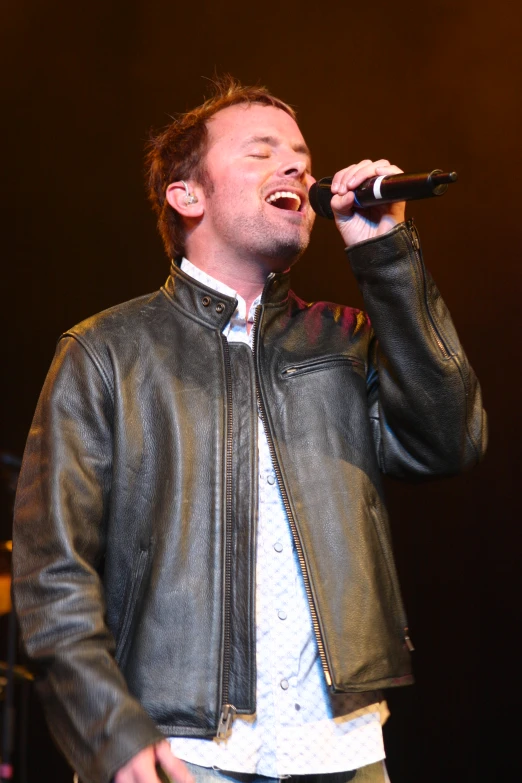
136, 514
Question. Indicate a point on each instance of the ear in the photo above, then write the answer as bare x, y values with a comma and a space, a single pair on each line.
177, 197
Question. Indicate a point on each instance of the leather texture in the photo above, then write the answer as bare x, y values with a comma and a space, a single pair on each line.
136, 471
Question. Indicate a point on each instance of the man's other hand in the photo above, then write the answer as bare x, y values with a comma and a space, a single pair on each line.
356, 225
142, 767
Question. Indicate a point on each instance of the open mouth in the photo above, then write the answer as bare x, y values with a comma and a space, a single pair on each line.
284, 199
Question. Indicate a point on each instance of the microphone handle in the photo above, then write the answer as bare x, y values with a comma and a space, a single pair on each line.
384, 190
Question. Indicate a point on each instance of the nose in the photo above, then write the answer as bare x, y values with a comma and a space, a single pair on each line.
295, 169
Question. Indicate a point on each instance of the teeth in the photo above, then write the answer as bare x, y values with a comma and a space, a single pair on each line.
284, 194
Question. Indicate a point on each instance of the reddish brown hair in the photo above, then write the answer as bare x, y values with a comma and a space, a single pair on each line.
178, 152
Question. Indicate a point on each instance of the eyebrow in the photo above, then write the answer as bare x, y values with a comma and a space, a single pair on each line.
273, 141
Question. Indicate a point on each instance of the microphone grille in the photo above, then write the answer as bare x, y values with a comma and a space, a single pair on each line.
320, 197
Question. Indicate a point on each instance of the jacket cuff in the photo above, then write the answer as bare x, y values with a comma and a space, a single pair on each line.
134, 734
385, 249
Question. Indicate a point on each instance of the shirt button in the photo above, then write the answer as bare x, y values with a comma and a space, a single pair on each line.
278, 546
271, 479
284, 684
282, 615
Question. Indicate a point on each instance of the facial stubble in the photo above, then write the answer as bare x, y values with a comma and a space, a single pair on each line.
261, 237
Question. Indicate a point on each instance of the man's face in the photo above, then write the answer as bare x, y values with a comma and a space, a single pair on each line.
256, 153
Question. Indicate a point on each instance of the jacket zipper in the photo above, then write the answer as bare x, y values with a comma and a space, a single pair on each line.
415, 241
284, 495
227, 710
409, 643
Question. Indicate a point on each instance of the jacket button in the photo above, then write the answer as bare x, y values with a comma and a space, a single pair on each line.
206, 301
220, 307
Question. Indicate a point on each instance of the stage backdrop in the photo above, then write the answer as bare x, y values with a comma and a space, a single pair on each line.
425, 84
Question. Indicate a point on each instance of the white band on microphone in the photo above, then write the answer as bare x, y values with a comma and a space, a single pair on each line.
377, 186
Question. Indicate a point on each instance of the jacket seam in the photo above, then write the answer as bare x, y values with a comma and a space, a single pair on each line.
94, 359
382, 682
474, 444
452, 354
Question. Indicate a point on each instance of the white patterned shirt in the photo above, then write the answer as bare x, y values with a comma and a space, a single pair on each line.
299, 727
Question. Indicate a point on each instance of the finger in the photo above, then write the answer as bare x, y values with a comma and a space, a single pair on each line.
357, 173
387, 170
344, 175
173, 766
343, 205
364, 171
140, 769
348, 179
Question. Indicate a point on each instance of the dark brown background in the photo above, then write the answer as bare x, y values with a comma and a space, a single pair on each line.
427, 85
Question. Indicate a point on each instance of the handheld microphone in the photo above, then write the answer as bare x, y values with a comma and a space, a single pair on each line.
383, 190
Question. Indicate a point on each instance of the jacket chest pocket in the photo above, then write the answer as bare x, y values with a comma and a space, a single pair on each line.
323, 363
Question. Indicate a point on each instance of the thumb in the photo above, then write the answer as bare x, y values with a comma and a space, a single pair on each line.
174, 767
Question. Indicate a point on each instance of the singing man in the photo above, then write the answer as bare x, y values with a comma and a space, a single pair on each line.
203, 568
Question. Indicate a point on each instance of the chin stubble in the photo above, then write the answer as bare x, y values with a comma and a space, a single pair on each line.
262, 238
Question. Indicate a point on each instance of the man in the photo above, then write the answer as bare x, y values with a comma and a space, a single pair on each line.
202, 549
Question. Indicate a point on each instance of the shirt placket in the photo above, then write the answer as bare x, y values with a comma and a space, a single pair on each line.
276, 619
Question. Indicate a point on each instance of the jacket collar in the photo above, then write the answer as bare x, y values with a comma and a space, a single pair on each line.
212, 307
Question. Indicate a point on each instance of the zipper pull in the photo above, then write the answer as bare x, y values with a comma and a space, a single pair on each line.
225, 721
409, 643
268, 283
414, 234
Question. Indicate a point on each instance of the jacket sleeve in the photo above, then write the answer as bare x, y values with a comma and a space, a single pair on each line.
59, 536
424, 399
